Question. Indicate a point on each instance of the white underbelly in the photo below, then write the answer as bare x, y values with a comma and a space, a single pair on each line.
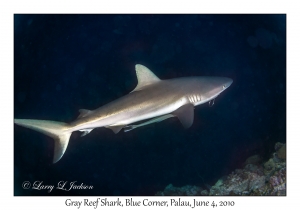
139, 116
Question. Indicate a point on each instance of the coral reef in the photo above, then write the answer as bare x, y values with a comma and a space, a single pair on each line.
177, 191
268, 178
254, 159
281, 150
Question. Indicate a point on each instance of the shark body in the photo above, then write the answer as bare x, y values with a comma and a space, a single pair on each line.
153, 100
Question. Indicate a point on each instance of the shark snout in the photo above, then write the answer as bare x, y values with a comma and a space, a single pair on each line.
227, 82
230, 81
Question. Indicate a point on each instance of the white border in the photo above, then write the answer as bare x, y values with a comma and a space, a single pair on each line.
8, 8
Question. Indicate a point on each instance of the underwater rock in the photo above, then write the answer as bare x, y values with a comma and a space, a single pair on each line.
204, 192
254, 168
179, 191
280, 150
269, 167
254, 159
256, 178
239, 182
277, 182
266, 179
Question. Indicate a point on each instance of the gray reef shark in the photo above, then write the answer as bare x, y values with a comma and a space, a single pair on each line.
153, 100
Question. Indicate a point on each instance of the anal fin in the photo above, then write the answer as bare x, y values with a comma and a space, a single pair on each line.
116, 129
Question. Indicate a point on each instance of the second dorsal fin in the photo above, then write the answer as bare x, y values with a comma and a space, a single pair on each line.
83, 113
144, 76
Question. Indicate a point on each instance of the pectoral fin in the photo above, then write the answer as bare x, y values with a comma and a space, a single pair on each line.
185, 114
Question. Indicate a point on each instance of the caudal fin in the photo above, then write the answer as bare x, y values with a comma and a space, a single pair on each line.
57, 130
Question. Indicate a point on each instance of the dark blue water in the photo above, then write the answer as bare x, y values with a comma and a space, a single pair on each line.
63, 63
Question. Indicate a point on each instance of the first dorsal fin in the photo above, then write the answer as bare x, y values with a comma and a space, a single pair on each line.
144, 76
